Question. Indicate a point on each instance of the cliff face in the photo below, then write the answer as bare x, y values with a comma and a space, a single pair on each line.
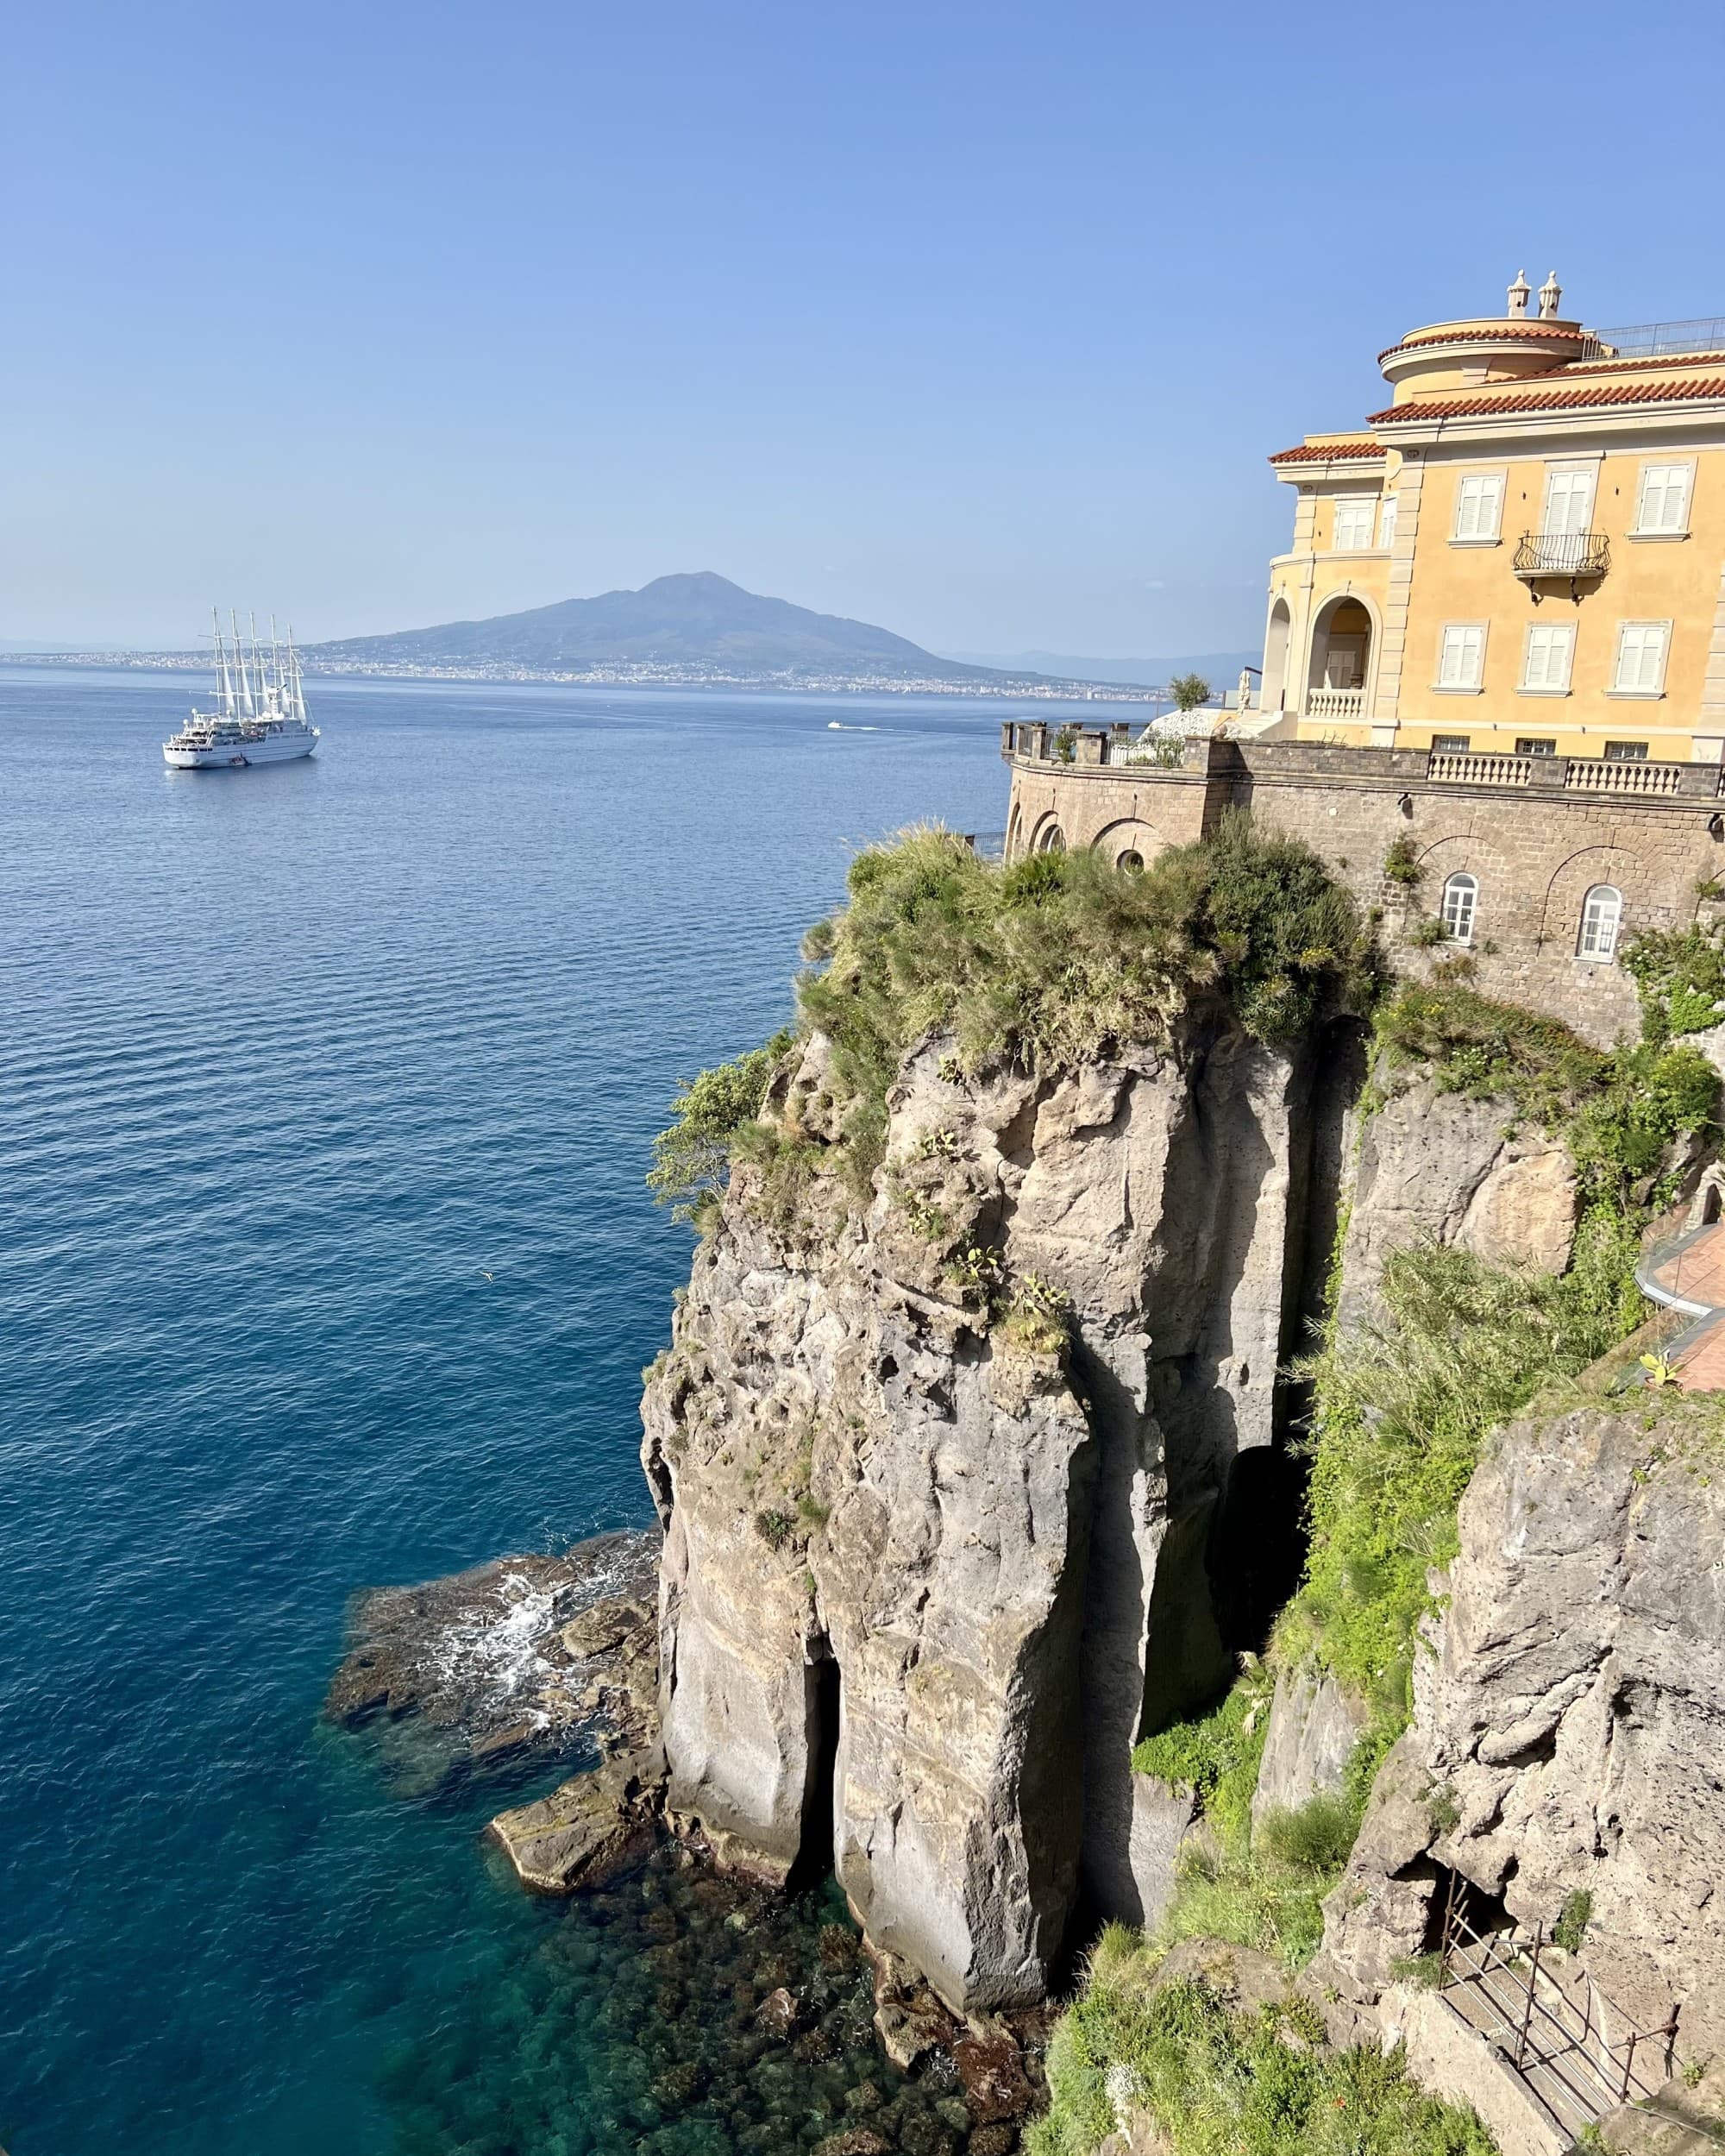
1569, 1732
925, 1573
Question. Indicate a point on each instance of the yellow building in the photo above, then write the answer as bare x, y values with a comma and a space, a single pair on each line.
1523, 553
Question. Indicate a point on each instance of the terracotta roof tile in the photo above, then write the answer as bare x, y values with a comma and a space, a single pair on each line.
1603, 395
1322, 452
1487, 333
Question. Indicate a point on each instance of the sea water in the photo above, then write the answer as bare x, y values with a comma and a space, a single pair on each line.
326, 1093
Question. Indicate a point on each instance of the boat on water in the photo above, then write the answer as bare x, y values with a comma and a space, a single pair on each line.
260, 715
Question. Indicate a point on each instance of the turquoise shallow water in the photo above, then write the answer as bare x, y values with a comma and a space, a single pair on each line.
288, 1059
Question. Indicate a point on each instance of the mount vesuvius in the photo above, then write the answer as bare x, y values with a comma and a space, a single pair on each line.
693, 625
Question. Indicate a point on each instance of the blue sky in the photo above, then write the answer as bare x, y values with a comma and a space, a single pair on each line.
978, 321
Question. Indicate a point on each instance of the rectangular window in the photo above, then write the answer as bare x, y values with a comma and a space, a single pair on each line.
1569, 500
1536, 744
1386, 522
1626, 752
1663, 505
1479, 503
1462, 656
1355, 516
1545, 663
1642, 658
1451, 744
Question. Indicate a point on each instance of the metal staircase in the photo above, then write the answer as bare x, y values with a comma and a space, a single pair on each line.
1577, 2054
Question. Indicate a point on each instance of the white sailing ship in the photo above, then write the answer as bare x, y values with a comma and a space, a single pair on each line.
260, 715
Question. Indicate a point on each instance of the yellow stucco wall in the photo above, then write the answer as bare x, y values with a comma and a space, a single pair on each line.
1647, 579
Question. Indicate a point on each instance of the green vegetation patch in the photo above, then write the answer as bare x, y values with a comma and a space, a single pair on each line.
1063, 957
1220, 2081
1618, 1109
1402, 1408
1217, 1754
1053, 962
692, 1157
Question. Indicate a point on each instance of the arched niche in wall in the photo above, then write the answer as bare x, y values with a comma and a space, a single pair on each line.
1595, 869
1129, 835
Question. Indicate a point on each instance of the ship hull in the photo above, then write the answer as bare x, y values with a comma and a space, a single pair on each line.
236, 755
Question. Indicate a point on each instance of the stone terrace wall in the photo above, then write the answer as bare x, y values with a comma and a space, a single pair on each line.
1538, 837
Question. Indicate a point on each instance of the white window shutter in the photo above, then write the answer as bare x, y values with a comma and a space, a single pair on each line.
1386, 522
1449, 671
1664, 499
1467, 509
1641, 655
1569, 501
1472, 646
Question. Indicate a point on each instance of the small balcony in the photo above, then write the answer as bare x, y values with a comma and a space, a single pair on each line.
1564, 556
1347, 705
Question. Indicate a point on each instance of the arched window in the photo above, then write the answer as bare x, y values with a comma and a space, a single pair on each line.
1602, 910
1053, 840
1131, 860
1461, 894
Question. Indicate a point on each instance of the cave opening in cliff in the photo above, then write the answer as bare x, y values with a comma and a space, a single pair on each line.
821, 1692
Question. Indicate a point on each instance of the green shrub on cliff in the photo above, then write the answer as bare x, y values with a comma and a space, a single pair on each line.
1062, 957
1402, 1410
692, 1157
1216, 1754
1617, 1110
1220, 2081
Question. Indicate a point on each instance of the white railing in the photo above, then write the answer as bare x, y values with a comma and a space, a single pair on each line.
1335, 703
1604, 775
1449, 764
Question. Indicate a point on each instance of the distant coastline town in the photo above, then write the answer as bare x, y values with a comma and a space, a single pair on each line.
643, 674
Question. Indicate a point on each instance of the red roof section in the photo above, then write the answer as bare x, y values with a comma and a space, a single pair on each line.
1322, 452
1489, 333
1572, 400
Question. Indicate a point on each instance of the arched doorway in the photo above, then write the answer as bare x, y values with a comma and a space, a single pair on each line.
1338, 673
1272, 693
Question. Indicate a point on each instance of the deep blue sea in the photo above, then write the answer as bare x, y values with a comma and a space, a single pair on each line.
288, 1060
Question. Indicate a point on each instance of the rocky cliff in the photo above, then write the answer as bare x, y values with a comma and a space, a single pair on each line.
1569, 1733
939, 1480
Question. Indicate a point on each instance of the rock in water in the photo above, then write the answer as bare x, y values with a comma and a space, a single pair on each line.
585, 1832
532, 1656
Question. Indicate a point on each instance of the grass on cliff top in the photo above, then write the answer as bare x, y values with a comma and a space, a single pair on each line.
1062, 955
1223, 2082
1057, 959
1617, 1110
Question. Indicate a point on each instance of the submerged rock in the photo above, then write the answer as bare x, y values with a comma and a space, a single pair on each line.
526, 1658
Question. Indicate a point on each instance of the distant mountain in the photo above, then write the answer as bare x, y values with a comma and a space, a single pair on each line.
1220, 669
701, 623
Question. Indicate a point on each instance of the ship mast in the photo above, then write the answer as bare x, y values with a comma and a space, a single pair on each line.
246, 704
223, 683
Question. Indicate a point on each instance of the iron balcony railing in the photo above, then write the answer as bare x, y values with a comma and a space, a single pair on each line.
1562, 554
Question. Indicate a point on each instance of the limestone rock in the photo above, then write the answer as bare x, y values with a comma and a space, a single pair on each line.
1441, 1167
1162, 1818
1313, 1726
586, 1832
913, 1564
1571, 1721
